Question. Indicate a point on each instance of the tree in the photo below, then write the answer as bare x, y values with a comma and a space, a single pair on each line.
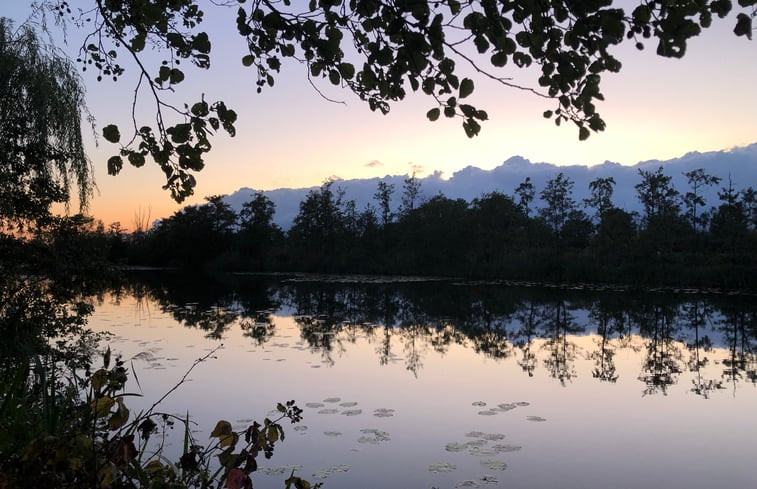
411, 191
601, 196
664, 230
526, 193
391, 44
557, 196
383, 197
693, 198
657, 195
41, 151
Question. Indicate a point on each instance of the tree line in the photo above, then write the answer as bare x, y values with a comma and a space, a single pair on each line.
677, 239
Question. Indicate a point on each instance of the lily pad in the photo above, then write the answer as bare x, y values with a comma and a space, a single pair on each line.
352, 412
383, 413
284, 469
537, 419
328, 411
493, 464
482, 451
476, 443
332, 399
322, 474
314, 405
300, 428
456, 446
506, 448
348, 404
487, 413
332, 433
441, 468
378, 436
475, 434
505, 407
479, 404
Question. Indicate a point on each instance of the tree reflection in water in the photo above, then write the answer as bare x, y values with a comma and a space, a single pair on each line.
409, 321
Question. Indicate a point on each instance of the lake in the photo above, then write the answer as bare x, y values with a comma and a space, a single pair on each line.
440, 383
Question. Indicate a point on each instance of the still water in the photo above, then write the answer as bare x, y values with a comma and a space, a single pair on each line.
421, 384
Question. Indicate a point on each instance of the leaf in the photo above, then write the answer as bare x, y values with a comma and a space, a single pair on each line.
115, 163
583, 133
334, 77
111, 133
223, 428
99, 378
136, 159
466, 87
347, 71
120, 417
228, 440
201, 43
237, 479
273, 434
247, 60
125, 451
153, 467
433, 114
743, 26
472, 128
177, 76
499, 59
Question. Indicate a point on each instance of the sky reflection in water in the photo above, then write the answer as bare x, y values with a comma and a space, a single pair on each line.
467, 387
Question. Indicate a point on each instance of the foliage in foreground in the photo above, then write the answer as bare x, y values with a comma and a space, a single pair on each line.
380, 51
59, 429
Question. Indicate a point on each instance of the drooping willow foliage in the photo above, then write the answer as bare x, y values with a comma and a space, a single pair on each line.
42, 157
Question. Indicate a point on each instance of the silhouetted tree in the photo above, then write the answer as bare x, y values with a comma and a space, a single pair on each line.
411, 194
558, 197
258, 235
525, 192
383, 197
698, 180
601, 196
41, 149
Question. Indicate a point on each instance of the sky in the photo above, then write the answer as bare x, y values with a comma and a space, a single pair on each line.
290, 136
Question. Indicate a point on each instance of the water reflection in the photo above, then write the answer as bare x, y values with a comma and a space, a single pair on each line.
537, 328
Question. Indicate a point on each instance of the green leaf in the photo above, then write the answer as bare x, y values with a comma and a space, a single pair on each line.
433, 114
583, 133
111, 133
466, 87
247, 60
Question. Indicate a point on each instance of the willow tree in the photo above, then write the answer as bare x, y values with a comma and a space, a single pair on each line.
42, 157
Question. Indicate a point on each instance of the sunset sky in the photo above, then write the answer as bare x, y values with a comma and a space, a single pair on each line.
289, 136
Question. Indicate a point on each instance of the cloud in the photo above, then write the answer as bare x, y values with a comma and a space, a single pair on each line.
417, 169
374, 164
